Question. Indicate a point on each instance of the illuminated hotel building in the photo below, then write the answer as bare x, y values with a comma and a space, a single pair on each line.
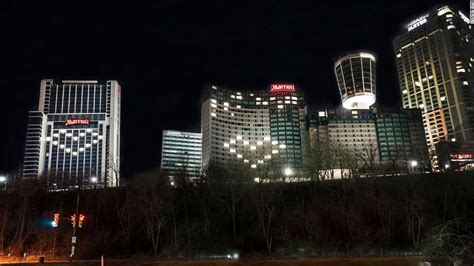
378, 135
355, 75
74, 136
181, 154
256, 127
434, 56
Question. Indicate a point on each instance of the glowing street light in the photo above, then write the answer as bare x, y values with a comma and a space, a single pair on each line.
3, 179
413, 165
94, 179
288, 171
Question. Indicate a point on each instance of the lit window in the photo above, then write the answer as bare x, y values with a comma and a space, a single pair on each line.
239, 156
61, 146
266, 138
246, 142
294, 98
268, 156
282, 146
272, 98
226, 104
294, 102
226, 109
81, 149
89, 130
443, 98
88, 145
465, 83
62, 131
253, 147
253, 166
213, 105
55, 143
399, 55
461, 70
213, 101
404, 92
68, 150
259, 142
48, 138
232, 96
226, 145
451, 27
239, 137
274, 151
280, 106
238, 106
213, 114
239, 97
275, 142
258, 103
246, 161
287, 102
265, 103
94, 141
232, 150
82, 134
260, 161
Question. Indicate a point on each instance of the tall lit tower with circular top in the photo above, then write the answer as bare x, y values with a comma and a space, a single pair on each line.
355, 74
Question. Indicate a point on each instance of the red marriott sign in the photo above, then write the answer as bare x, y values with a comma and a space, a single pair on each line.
71, 122
282, 88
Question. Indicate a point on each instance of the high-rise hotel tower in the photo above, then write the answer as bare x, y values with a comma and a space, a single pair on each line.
256, 127
435, 55
74, 136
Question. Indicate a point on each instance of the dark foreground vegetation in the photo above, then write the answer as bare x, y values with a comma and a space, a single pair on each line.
383, 216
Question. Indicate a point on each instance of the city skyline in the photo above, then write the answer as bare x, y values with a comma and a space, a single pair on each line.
136, 78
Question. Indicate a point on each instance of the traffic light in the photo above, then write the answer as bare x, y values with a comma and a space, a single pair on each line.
55, 221
73, 220
81, 220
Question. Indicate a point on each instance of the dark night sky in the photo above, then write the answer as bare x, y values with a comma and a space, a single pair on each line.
164, 52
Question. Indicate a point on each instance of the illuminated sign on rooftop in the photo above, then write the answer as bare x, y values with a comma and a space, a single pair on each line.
282, 88
417, 22
71, 122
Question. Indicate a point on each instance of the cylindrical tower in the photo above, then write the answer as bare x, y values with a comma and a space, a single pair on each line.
355, 74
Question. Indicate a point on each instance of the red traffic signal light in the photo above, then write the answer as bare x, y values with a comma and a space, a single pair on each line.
73, 220
81, 220
55, 221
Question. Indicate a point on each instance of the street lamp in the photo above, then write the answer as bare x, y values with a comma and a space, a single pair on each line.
3, 179
413, 165
288, 172
94, 180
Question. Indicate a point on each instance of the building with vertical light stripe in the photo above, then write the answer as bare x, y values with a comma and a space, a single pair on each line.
74, 136
434, 54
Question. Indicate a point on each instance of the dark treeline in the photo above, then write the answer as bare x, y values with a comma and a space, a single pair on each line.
228, 213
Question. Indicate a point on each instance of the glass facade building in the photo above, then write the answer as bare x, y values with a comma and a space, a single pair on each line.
74, 137
434, 54
181, 154
256, 127
378, 135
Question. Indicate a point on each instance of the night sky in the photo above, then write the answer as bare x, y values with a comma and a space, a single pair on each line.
164, 52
